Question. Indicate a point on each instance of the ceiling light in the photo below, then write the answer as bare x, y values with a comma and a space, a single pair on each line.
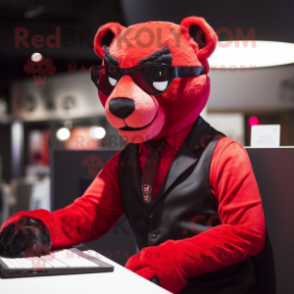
97, 132
251, 54
36, 57
63, 134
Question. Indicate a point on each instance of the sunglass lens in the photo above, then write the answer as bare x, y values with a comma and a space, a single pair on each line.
105, 78
154, 79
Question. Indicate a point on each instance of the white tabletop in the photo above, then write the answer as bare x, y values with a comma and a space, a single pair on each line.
120, 280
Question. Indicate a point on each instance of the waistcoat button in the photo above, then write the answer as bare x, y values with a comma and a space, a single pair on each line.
154, 234
151, 215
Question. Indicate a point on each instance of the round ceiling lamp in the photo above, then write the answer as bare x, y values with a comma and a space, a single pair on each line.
253, 54
269, 23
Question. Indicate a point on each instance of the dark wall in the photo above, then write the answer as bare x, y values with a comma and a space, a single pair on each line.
272, 20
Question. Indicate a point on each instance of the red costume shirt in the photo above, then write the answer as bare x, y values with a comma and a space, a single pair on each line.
240, 235
169, 151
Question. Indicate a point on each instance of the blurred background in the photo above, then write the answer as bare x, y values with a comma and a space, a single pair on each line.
47, 100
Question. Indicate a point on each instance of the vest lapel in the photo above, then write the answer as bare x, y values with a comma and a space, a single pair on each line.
188, 154
131, 166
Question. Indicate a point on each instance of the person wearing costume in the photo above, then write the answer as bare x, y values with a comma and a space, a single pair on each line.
188, 191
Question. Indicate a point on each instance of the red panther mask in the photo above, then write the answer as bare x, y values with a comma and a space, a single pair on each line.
140, 116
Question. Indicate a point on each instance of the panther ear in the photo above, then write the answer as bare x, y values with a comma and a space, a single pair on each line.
105, 36
203, 35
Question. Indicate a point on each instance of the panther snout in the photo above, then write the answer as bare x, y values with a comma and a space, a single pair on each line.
121, 107
136, 114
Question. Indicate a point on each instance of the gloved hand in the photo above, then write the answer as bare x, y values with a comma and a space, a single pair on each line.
161, 262
26, 238
155, 281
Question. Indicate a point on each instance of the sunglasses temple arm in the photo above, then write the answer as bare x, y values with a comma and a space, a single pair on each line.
188, 71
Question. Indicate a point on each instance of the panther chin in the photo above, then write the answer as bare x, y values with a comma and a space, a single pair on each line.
145, 133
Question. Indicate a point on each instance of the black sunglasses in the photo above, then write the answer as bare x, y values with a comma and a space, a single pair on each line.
154, 79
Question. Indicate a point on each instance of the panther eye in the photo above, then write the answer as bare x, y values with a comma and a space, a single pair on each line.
112, 81
160, 86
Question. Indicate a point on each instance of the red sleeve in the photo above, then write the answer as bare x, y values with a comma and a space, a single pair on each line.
90, 216
241, 233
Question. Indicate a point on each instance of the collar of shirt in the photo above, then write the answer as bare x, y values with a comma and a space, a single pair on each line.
175, 140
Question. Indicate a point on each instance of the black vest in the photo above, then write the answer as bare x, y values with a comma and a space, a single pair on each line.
183, 207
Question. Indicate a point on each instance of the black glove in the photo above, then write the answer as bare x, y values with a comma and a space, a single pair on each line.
155, 281
26, 238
